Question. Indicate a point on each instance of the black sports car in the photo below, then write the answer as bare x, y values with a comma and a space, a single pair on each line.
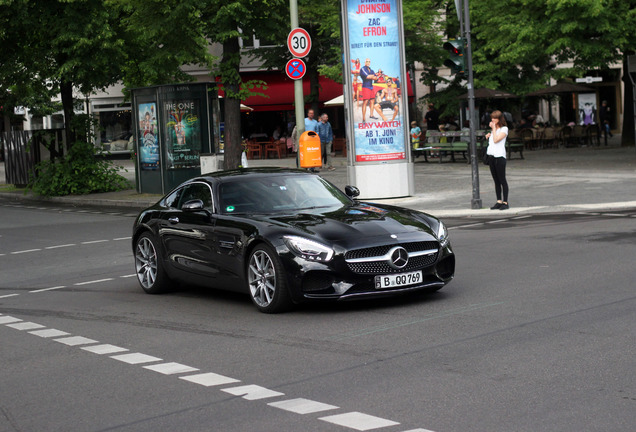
285, 236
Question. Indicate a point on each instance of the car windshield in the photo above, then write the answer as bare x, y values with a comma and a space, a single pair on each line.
278, 194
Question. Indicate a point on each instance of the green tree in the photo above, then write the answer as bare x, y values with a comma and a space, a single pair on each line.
65, 45
517, 45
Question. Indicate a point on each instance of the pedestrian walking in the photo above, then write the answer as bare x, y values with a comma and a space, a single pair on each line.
326, 140
604, 117
496, 152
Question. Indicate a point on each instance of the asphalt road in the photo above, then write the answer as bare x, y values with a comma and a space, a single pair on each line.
535, 333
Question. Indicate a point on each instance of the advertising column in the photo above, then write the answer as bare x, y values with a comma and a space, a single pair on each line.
376, 98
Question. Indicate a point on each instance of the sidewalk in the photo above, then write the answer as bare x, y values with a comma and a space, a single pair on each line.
547, 181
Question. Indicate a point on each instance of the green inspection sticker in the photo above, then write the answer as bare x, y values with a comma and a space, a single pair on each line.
229, 209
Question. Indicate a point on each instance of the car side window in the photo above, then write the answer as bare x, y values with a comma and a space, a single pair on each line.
172, 200
197, 191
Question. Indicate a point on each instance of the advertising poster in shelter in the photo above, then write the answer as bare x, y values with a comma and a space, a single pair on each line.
587, 108
148, 139
183, 133
377, 85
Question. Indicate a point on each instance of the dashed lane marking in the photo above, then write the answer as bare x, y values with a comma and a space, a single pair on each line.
49, 333
75, 340
9, 295
25, 326
171, 368
359, 421
25, 251
209, 379
136, 358
89, 242
48, 289
353, 420
104, 349
252, 392
302, 406
61, 246
6, 319
93, 282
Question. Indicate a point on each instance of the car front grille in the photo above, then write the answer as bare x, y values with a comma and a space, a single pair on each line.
381, 265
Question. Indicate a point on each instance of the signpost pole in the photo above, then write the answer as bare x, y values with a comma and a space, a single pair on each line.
299, 100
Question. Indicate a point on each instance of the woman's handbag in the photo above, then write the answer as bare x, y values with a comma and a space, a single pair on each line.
486, 159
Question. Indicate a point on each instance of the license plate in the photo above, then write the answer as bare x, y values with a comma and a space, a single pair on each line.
398, 280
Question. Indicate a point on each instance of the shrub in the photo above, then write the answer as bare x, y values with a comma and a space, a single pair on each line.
82, 171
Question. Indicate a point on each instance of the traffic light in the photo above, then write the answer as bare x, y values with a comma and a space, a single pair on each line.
455, 61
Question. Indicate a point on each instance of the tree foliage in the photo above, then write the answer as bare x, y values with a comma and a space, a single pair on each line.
60, 45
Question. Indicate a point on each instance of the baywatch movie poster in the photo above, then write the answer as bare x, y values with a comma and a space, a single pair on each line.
375, 55
183, 133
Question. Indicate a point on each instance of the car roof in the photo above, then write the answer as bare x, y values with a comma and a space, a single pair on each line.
245, 173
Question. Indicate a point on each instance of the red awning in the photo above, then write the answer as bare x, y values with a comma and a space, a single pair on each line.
280, 91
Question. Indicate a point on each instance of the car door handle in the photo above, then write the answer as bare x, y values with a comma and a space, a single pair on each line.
173, 220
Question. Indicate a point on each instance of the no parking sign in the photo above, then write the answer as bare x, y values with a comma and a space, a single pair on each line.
295, 68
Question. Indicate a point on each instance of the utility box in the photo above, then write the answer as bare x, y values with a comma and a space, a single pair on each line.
174, 125
309, 152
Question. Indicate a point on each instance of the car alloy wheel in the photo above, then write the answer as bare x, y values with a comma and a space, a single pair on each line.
150, 274
268, 291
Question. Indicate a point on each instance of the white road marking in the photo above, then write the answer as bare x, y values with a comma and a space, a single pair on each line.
209, 379
93, 242
302, 406
497, 221
135, 358
61, 246
93, 282
49, 333
252, 392
128, 276
354, 420
48, 289
76, 340
615, 214
104, 349
122, 238
9, 295
9, 319
359, 421
25, 251
171, 368
25, 326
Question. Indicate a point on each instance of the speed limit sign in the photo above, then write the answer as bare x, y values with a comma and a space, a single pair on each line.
299, 42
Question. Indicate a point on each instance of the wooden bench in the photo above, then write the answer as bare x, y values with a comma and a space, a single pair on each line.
457, 142
447, 143
514, 143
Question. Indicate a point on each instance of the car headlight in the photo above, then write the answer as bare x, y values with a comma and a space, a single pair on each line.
308, 249
442, 234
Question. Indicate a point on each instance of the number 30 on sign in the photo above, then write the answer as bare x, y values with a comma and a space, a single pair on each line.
299, 42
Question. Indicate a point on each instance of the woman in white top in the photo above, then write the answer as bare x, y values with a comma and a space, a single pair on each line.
497, 151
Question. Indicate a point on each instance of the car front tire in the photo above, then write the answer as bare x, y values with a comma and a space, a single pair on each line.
266, 281
149, 266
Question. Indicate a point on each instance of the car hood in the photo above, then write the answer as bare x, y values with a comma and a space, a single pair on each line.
358, 222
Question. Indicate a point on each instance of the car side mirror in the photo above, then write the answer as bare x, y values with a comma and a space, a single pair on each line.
352, 191
193, 206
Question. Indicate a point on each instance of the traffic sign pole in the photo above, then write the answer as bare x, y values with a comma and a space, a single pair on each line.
299, 103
